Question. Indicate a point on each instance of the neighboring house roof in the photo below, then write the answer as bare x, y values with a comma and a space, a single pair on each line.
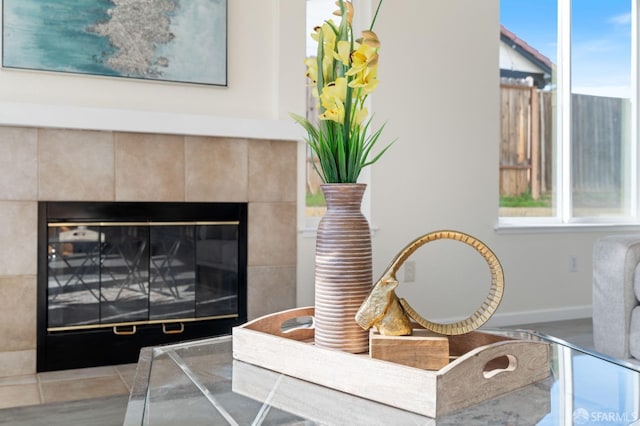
520, 60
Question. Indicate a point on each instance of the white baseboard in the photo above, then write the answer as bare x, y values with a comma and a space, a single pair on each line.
543, 315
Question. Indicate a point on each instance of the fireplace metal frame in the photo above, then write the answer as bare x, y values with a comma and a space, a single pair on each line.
78, 347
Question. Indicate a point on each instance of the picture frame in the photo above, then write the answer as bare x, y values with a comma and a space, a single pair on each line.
182, 41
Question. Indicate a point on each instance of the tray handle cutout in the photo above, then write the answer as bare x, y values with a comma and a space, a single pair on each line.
293, 324
510, 363
284, 324
500, 365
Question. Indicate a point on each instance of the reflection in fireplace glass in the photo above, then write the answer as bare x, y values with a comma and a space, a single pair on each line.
124, 274
217, 269
115, 273
74, 275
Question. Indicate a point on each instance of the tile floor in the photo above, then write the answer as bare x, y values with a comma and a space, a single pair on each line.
68, 385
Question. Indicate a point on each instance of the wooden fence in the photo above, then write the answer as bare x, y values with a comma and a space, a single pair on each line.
520, 140
600, 131
527, 149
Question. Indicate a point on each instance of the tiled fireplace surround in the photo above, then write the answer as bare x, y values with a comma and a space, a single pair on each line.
43, 164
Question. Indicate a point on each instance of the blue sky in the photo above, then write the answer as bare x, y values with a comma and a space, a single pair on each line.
601, 39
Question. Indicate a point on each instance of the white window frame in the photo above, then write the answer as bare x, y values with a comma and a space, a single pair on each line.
563, 218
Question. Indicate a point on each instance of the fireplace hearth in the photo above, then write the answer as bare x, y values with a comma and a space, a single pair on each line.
117, 276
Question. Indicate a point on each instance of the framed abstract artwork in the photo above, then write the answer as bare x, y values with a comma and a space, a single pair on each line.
166, 40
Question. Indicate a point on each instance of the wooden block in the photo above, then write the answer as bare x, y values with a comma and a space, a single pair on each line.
424, 349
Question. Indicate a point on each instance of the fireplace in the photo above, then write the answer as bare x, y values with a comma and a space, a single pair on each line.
117, 276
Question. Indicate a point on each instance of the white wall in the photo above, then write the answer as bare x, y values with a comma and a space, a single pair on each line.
439, 94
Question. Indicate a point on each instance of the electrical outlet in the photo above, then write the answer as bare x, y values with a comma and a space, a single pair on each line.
409, 271
573, 264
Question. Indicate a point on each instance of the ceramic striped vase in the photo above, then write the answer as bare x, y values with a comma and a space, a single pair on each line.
343, 270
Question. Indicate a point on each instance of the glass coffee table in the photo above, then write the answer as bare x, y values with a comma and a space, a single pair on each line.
199, 383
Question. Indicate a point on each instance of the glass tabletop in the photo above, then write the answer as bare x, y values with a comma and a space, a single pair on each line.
199, 383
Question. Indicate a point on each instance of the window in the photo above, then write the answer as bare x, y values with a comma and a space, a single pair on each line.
568, 117
315, 207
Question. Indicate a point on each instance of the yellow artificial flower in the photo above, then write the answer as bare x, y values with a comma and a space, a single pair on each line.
349, 7
315, 33
334, 114
361, 58
369, 38
366, 79
325, 28
328, 45
343, 53
328, 42
360, 115
328, 36
332, 100
333, 93
312, 69
312, 74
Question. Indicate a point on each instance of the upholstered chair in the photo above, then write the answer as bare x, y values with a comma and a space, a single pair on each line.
616, 295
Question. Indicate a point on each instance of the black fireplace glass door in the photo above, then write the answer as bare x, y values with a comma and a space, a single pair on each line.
73, 288
217, 269
124, 274
97, 275
114, 273
172, 272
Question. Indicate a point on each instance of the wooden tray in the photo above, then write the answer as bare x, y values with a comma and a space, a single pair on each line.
467, 380
325, 406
